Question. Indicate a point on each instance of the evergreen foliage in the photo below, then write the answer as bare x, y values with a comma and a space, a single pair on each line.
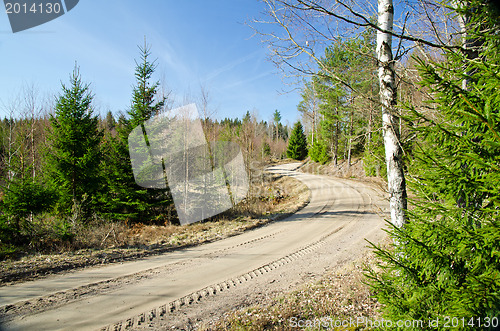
297, 145
110, 122
23, 198
247, 117
266, 149
346, 113
446, 261
74, 157
3, 143
373, 157
319, 152
332, 122
230, 122
125, 199
276, 116
277, 119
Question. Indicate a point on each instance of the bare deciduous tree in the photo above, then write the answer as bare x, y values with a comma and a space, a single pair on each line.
23, 136
309, 108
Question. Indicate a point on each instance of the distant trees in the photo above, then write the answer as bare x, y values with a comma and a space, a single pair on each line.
109, 122
297, 145
277, 123
259, 135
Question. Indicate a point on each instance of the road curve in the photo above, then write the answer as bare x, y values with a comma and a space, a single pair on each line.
118, 296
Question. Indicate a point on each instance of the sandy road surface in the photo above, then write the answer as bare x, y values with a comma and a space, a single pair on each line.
330, 230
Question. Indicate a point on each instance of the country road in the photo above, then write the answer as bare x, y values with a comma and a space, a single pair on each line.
328, 232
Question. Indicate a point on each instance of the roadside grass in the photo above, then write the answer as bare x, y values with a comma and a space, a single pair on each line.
101, 241
339, 301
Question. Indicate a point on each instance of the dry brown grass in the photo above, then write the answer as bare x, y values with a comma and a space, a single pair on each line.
339, 296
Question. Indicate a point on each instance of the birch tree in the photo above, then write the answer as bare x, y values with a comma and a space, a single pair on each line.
309, 107
387, 80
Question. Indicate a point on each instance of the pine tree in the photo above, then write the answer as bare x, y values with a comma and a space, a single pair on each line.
297, 145
343, 106
446, 262
74, 157
330, 126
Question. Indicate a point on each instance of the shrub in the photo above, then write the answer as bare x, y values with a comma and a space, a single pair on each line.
319, 152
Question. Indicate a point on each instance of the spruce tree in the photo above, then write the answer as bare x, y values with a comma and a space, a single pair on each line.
125, 199
144, 103
110, 122
446, 262
22, 200
297, 145
74, 155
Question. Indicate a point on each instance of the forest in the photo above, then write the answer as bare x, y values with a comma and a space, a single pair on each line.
63, 166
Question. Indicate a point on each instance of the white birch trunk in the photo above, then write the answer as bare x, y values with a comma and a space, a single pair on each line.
467, 44
393, 151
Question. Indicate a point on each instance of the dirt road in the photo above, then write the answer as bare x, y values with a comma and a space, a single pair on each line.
181, 288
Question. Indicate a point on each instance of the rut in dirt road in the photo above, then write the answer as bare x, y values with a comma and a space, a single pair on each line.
329, 230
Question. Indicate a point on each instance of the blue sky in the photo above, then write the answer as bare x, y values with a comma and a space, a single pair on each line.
195, 43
